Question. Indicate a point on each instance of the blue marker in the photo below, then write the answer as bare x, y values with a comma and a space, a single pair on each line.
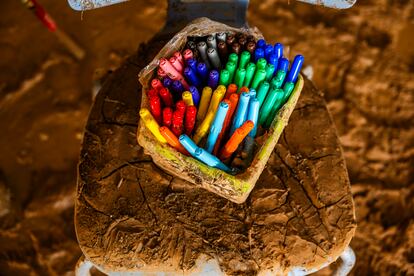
192, 77
167, 82
295, 69
213, 79
210, 160
192, 63
278, 50
253, 115
202, 71
268, 50
283, 64
216, 126
241, 112
177, 87
195, 94
258, 54
280, 75
272, 59
261, 43
188, 144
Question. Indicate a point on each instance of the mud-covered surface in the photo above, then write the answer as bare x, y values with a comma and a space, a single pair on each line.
362, 60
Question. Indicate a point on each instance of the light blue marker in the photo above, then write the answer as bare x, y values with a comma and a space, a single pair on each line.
241, 112
252, 94
188, 144
216, 126
253, 115
210, 160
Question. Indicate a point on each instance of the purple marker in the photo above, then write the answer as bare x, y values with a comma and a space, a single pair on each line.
213, 79
195, 94
177, 87
167, 82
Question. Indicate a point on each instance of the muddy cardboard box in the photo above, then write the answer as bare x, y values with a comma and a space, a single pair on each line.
235, 187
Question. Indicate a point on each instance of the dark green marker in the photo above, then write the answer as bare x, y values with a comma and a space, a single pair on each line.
224, 77
231, 67
261, 64
270, 69
239, 77
272, 97
259, 76
262, 92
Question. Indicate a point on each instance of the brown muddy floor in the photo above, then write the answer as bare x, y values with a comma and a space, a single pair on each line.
363, 60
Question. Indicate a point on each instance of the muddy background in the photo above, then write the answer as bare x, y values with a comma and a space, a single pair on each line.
363, 60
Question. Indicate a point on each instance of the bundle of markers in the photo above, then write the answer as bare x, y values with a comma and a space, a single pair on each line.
212, 99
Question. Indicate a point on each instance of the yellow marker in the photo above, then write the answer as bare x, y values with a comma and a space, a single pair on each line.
204, 103
187, 98
151, 124
203, 129
218, 95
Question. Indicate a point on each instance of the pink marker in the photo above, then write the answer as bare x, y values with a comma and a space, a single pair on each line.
179, 57
172, 72
161, 73
176, 64
187, 54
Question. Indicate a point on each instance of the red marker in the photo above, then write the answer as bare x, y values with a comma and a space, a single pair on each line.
152, 93
187, 54
190, 119
167, 114
176, 64
180, 106
232, 88
156, 84
172, 72
155, 108
179, 57
177, 123
166, 97
161, 73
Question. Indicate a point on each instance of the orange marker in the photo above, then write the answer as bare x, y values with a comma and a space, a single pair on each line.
235, 140
172, 140
232, 88
244, 89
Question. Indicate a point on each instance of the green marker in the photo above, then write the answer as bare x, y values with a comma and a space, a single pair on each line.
231, 67
258, 78
261, 64
224, 77
239, 78
270, 69
251, 68
288, 88
244, 59
233, 57
262, 92
268, 104
277, 80
274, 110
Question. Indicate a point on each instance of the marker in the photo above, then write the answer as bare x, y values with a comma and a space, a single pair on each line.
161, 73
210, 160
232, 88
278, 50
272, 59
214, 58
224, 77
231, 68
213, 79
187, 98
252, 94
222, 50
251, 68
287, 89
187, 54
293, 74
258, 78
172, 72
221, 37
195, 95
260, 43
262, 92
244, 89
172, 140
211, 42
234, 58
242, 41
155, 108
202, 49
156, 84
202, 71
244, 59
283, 64
223, 129
204, 103
247, 153
167, 116
253, 115
176, 64
166, 97
151, 124
192, 77
270, 69
216, 126
269, 102
152, 93
250, 38
180, 106
178, 89
188, 144
236, 48
239, 77
218, 95
251, 47
179, 57
275, 109
167, 82
192, 63
190, 119
203, 127
261, 64
241, 112
177, 123
232, 102
279, 78
258, 54
230, 39
268, 50
236, 138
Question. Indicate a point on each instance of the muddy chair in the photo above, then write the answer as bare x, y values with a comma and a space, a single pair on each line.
307, 187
